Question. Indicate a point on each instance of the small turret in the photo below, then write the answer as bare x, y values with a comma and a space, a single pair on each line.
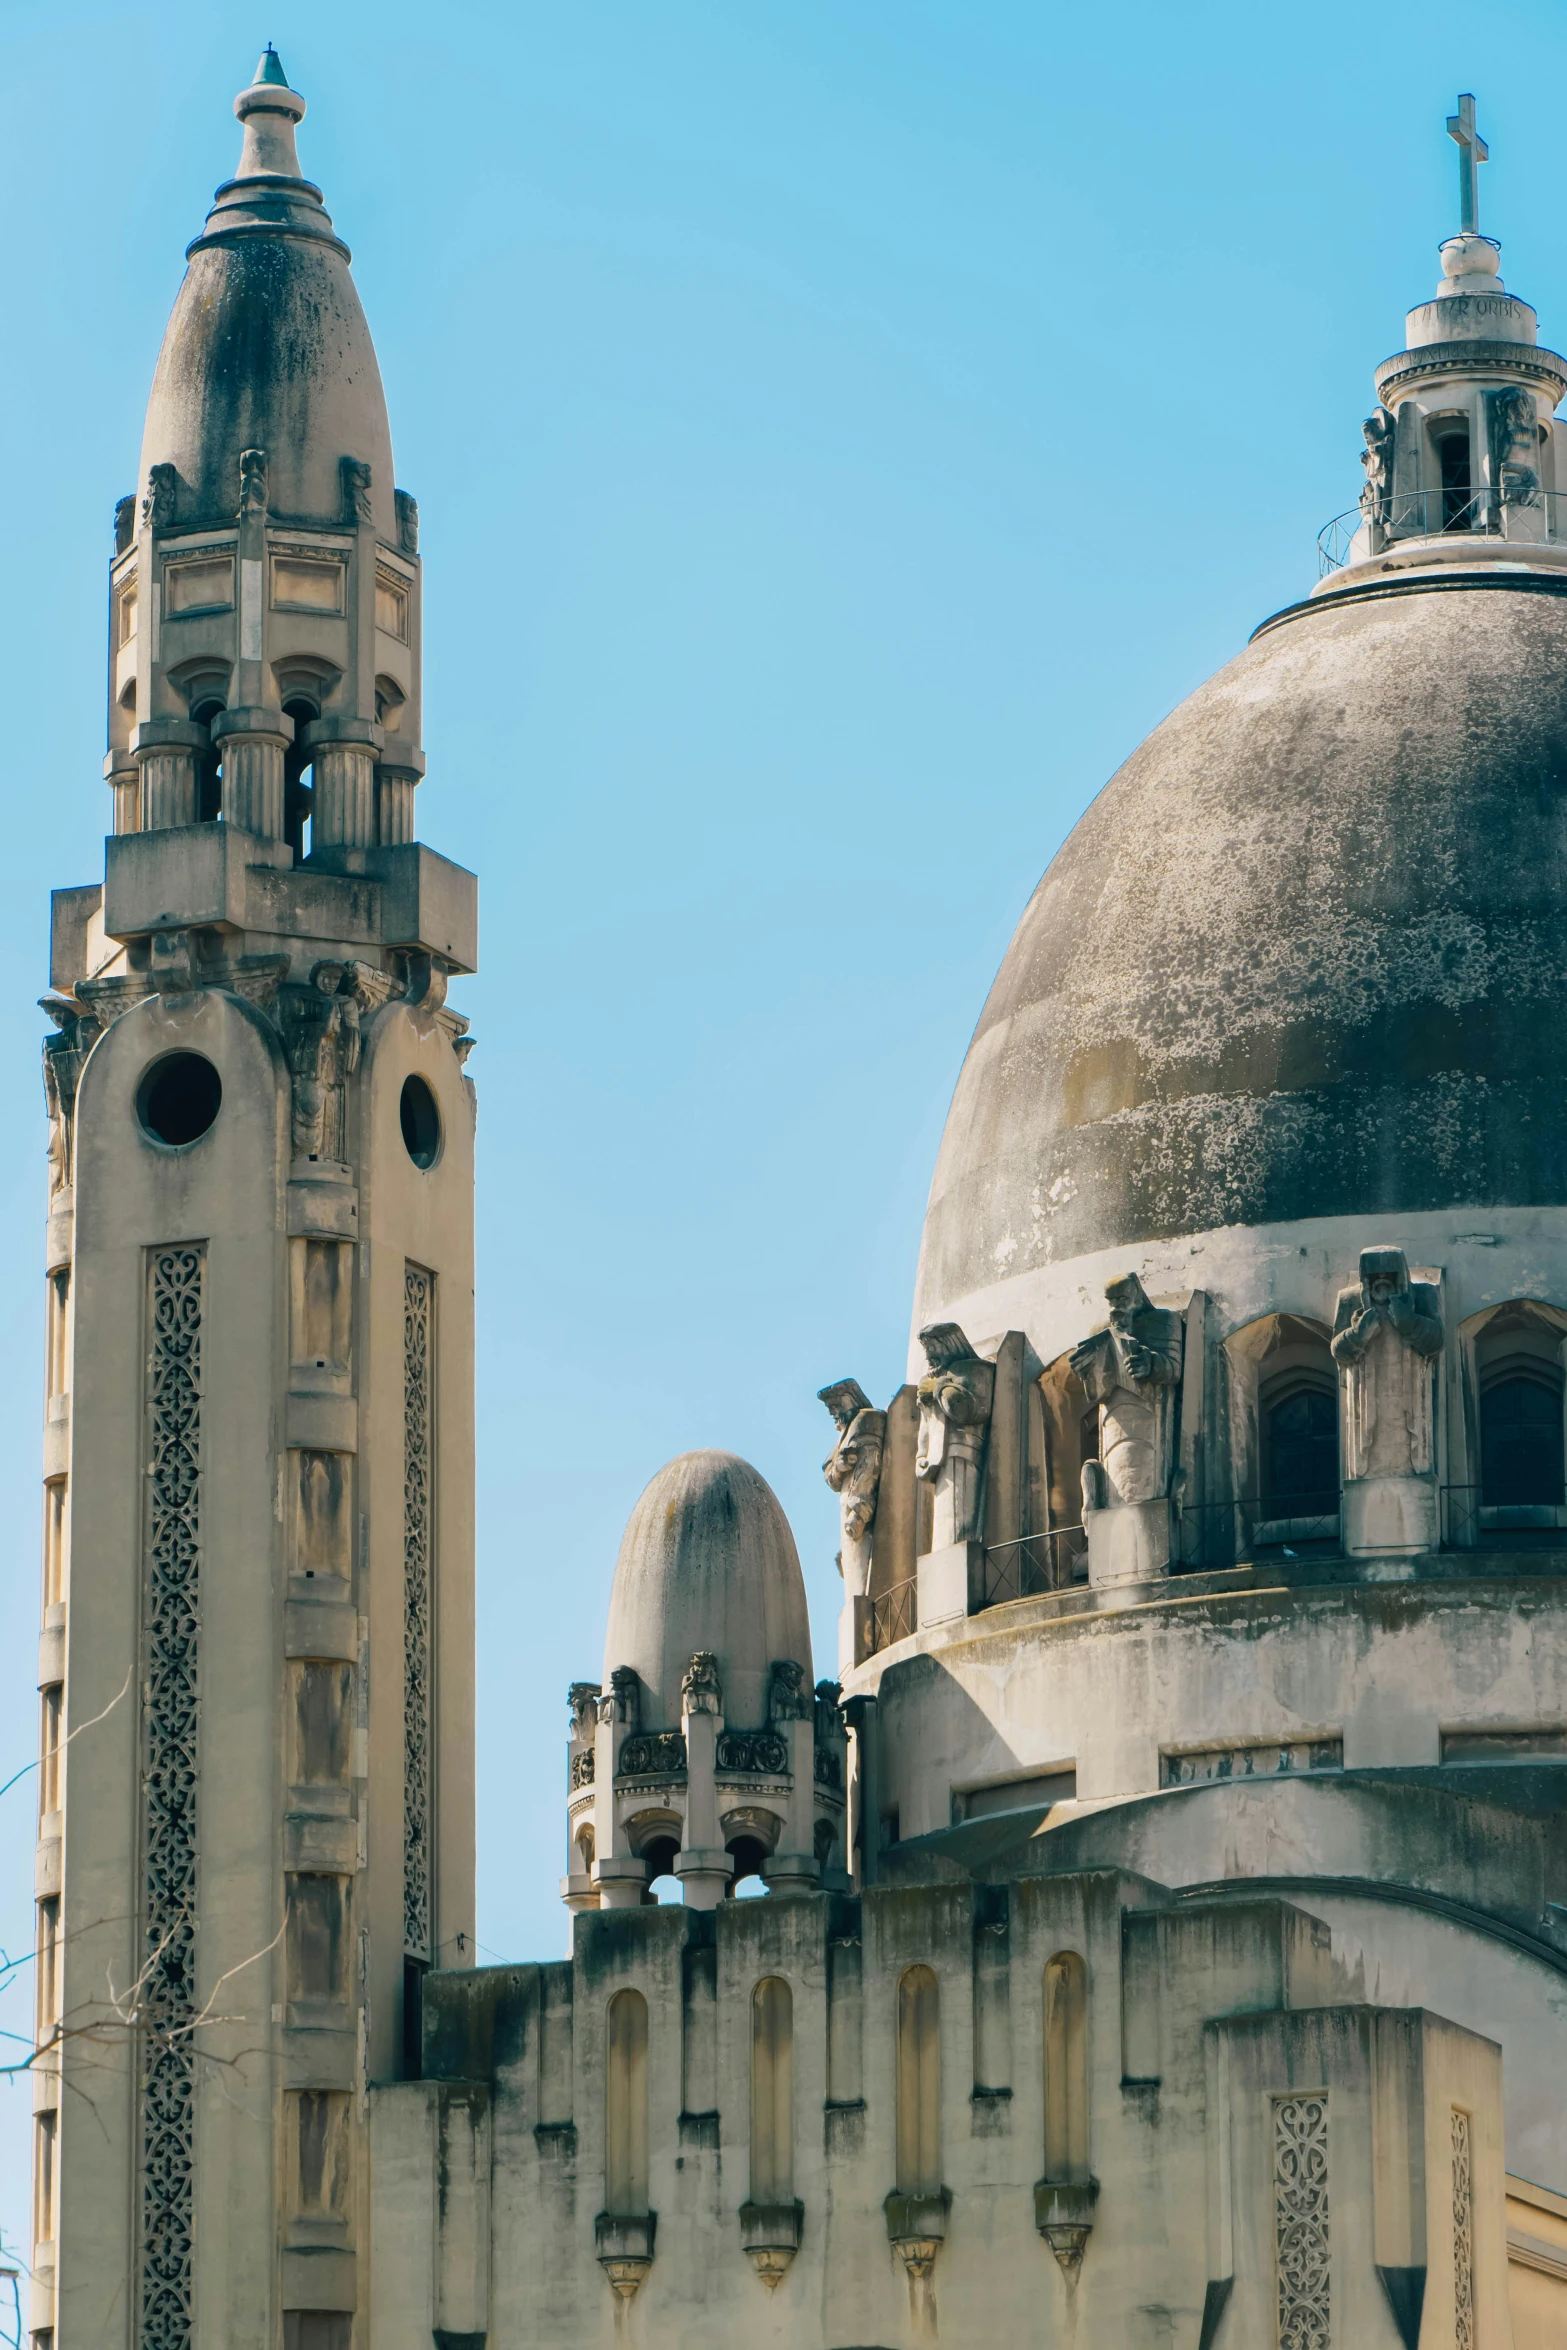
1464, 460
265, 589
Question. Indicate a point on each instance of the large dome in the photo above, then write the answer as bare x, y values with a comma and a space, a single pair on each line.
707, 1562
1305, 955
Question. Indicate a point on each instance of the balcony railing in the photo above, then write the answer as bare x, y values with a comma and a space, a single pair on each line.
1419, 514
894, 1614
1035, 1563
1469, 1522
1220, 1533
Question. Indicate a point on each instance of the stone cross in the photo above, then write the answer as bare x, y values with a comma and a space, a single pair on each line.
1472, 152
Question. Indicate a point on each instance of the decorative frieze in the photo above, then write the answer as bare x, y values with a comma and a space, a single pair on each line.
418, 1541
1463, 2234
1300, 2222
751, 1750
652, 1754
169, 1794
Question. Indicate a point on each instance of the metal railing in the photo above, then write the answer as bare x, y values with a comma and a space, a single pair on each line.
893, 1615
1470, 1522
1437, 513
1035, 1563
1222, 1533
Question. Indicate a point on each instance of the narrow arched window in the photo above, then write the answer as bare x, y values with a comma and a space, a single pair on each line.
625, 2106
1521, 1452
772, 2092
1300, 1470
919, 2083
1066, 2068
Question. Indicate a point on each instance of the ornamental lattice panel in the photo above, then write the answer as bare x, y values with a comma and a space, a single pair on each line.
418, 1311
1463, 2235
1300, 2222
169, 1786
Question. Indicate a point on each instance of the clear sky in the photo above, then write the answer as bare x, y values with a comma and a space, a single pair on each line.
841, 430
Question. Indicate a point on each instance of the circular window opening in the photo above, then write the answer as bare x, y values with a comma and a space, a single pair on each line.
179, 1098
421, 1122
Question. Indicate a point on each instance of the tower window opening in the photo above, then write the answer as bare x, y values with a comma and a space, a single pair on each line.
1300, 1459
1452, 452
1521, 1441
209, 769
297, 795
421, 1122
178, 1099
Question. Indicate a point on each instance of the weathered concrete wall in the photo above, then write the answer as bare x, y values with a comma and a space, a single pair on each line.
1192, 2014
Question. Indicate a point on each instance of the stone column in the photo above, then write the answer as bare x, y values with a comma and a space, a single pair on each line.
343, 755
167, 752
121, 776
395, 783
617, 1873
702, 1865
253, 743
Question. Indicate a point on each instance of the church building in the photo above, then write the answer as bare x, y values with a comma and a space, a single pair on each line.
1166, 1935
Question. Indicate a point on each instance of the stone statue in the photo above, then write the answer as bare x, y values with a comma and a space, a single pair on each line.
407, 521
356, 490
252, 482
1132, 1370
1515, 445
853, 1470
700, 1689
622, 1700
1386, 1329
787, 1699
1377, 459
583, 1699
157, 507
124, 524
955, 1397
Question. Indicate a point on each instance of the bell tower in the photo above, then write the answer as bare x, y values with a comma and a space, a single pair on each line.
256, 1816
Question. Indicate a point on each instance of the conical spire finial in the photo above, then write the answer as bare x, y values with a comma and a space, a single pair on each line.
270, 69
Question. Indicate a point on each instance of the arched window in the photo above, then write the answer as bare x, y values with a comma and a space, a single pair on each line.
772, 2092
1066, 2068
1519, 1373
1300, 1467
919, 2083
1521, 1440
625, 2106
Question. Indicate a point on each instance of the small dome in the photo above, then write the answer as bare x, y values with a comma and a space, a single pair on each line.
707, 1562
268, 347
1305, 955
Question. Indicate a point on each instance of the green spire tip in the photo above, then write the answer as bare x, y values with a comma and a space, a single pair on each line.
271, 69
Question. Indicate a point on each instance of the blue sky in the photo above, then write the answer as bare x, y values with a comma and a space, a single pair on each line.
840, 431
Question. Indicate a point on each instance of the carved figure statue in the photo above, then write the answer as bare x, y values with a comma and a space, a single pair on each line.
622, 1700
701, 1692
787, 1697
124, 524
1132, 1371
407, 521
1386, 1330
320, 1027
252, 482
356, 490
157, 507
1377, 458
583, 1699
853, 1470
1515, 445
955, 1397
